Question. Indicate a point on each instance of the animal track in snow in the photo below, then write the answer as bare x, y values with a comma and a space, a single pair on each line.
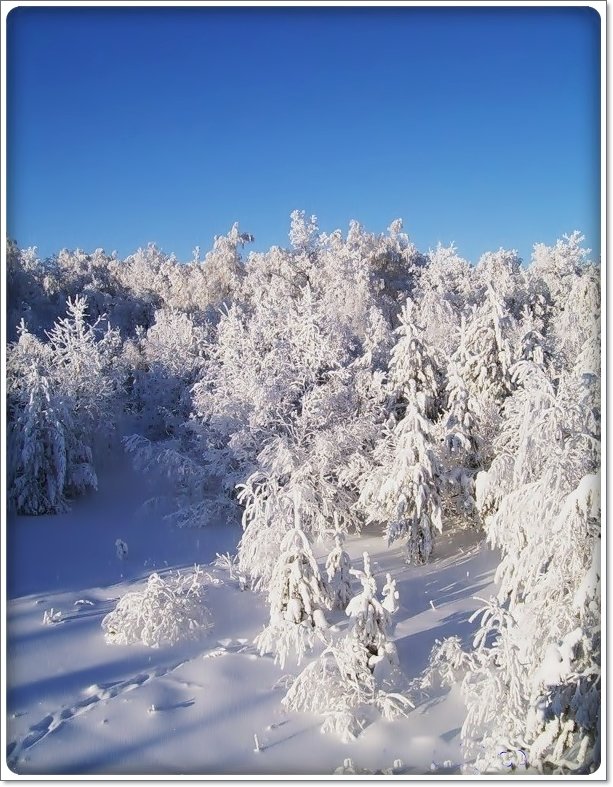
93, 695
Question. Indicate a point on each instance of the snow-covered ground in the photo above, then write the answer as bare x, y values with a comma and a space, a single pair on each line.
77, 705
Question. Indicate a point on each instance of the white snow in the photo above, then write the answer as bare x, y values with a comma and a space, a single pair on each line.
77, 705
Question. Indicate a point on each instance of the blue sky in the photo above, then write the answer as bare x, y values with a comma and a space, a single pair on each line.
129, 125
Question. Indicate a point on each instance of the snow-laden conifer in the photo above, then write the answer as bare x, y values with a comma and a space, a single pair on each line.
487, 353
541, 647
413, 374
298, 596
355, 677
338, 566
37, 452
402, 491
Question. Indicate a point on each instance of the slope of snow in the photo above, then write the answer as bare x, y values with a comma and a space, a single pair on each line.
77, 705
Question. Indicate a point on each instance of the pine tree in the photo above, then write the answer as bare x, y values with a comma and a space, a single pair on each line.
487, 353
355, 674
462, 454
413, 374
297, 596
403, 489
37, 451
338, 565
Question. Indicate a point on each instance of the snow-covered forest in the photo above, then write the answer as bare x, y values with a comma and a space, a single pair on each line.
343, 399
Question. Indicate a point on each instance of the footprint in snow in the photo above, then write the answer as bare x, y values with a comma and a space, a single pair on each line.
93, 695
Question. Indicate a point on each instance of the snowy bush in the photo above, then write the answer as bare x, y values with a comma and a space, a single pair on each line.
170, 609
339, 685
371, 620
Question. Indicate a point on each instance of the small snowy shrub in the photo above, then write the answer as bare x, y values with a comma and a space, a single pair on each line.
229, 564
168, 610
339, 685
448, 664
371, 619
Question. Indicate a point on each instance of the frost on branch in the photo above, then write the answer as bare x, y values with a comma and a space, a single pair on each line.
170, 609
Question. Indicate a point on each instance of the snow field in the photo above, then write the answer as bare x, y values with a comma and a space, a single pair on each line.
77, 705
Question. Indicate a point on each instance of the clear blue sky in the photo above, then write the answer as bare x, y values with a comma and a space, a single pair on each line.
474, 125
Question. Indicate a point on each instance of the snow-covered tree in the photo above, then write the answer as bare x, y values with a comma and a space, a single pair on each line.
502, 272
59, 395
534, 686
37, 451
463, 442
575, 322
297, 596
413, 374
168, 359
390, 595
532, 344
487, 350
223, 266
25, 286
553, 269
358, 673
449, 276
402, 491
371, 619
538, 651
338, 565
